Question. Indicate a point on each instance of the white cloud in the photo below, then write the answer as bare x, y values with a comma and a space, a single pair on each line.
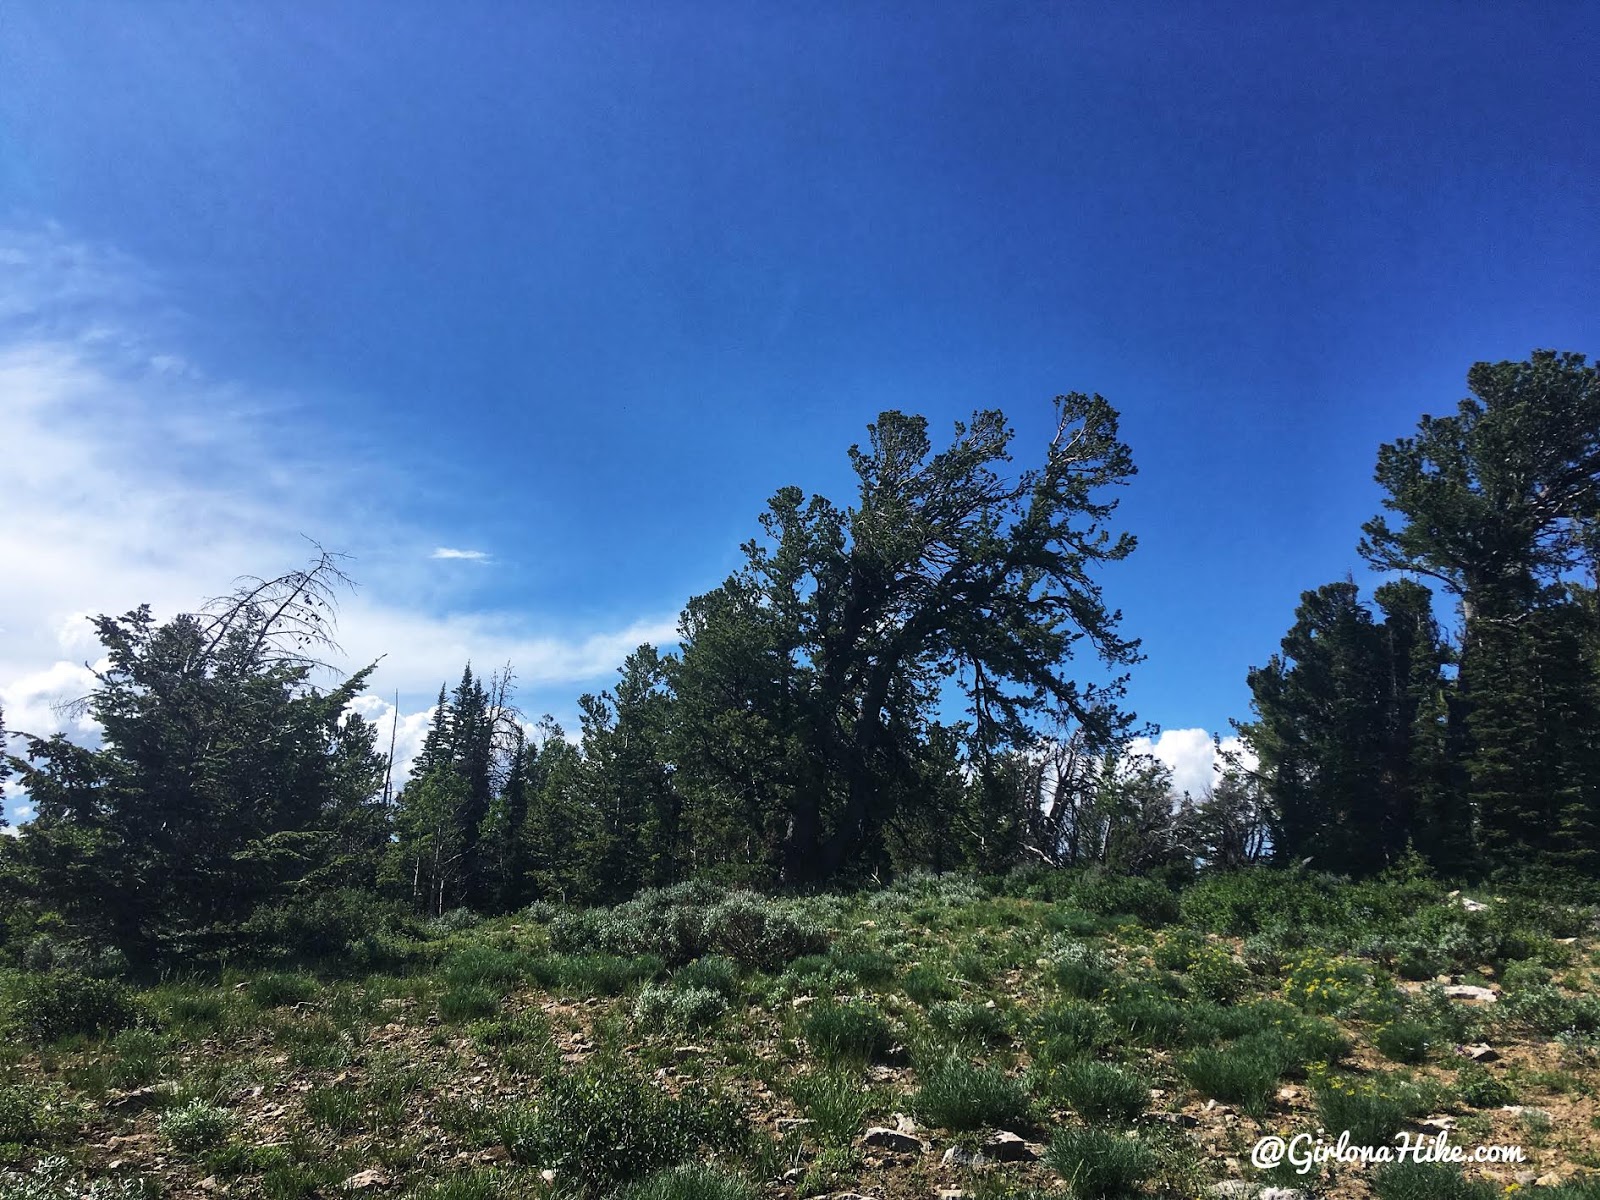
131, 474
1191, 756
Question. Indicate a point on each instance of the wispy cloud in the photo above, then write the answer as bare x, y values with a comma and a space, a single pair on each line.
130, 473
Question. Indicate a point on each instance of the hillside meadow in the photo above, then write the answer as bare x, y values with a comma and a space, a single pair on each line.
1045, 1033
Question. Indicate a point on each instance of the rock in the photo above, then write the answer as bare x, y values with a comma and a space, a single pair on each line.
792, 1124
1481, 1052
141, 1098
959, 1156
1438, 1124
1470, 991
1181, 1119
1281, 1193
794, 1174
362, 1180
208, 1184
1234, 1189
949, 1194
1553, 1179
1473, 905
548, 1175
891, 1139
690, 1051
1004, 1146
904, 1123
1522, 1110
802, 1001
1525, 1178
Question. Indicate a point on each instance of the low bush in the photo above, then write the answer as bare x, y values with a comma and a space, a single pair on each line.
678, 1008
48, 1007
1406, 1041
969, 1022
195, 1126
1068, 1029
54, 1179
604, 1126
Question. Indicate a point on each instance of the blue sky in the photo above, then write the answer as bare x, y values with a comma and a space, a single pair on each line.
575, 287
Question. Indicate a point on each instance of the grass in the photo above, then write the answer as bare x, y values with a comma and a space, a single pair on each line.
1101, 1092
847, 1033
959, 1095
836, 1102
1099, 1164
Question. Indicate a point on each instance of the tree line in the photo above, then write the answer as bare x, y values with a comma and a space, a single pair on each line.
928, 677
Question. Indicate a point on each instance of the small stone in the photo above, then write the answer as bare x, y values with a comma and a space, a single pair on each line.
1438, 1124
361, 1180
891, 1139
950, 1193
208, 1184
1004, 1146
791, 1124
1525, 1178
1234, 1189
1280, 1193
794, 1174
802, 1001
960, 1156
1552, 1179
1521, 1110
1470, 991
1481, 1052
690, 1051
904, 1123
1182, 1120
548, 1175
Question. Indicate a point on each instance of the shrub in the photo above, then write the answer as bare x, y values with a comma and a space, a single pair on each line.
1478, 1087
346, 924
26, 1114
46, 1008
1405, 1041
847, 1032
1216, 975
873, 968
196, 1126
691, 920
963, 1020
1321, 983
1098, 1163
54, 1179
958, 1095
836, 1102
1110, 894
139, 1056
1099, 1091
715, 974
678, 1008
273, 989
1429, 1181
692, 1181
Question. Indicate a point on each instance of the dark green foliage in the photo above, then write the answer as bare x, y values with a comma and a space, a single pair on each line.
593, 974
273, 989
1099, 1164
1110, 894
1406, 1041
1481, 1088
928, 985
958, 1095
47, 1007
469, 1002
847, 1032
961, 1020
1068, 1029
